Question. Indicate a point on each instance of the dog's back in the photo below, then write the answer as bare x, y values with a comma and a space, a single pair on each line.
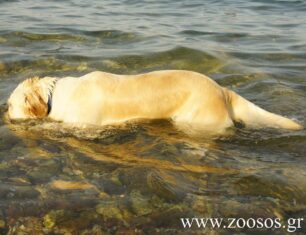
102, 98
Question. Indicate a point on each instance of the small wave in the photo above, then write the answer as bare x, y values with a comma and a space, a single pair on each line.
113, 35
195, 32
220, 36
66, 35
273, 5
57, 66
177, 58
58, 37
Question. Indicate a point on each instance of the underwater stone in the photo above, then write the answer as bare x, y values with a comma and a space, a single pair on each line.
20, 181
49, 220
140, 205
165, 186
2, 224
8, 191
70, 185
109, 211
40, 176
26, 225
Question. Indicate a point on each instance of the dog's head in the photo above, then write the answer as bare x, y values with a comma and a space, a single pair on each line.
29, 99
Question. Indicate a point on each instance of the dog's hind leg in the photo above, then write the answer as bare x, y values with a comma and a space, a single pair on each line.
210, 115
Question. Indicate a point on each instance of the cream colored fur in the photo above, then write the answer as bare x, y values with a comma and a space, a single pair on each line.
188, 98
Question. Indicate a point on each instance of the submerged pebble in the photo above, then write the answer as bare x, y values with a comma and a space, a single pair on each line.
20, 181
109, 211
69, 185
140, 205
15, 192
49, 220
165, 186
27, 225
2, 224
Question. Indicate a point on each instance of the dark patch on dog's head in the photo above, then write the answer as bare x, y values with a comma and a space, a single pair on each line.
28, 100
35, 105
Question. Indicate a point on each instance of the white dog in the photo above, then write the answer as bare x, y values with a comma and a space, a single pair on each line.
99, 98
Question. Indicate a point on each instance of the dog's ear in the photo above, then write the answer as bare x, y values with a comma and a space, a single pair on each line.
35, 103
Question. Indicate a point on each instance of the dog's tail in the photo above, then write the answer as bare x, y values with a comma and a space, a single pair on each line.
249, 114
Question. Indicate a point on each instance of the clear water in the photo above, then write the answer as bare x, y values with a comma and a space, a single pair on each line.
141, 178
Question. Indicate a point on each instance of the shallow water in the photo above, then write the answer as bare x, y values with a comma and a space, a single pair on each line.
143, 177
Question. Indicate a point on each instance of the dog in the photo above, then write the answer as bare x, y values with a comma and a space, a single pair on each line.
99, 98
